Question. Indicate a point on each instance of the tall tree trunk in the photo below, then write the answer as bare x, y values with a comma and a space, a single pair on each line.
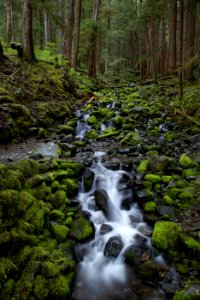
76, 40
46, 27
153, 41
59, 30
9, 20
107, 37
189, 36
181, 50
172, 36
27, 31
69, 31
93, 45
161, 42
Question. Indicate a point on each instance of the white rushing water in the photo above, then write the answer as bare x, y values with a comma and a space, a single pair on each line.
98, 269
82, 126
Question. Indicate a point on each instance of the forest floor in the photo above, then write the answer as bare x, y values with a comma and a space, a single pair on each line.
143, 127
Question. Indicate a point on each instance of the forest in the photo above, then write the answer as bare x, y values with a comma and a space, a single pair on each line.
100, 149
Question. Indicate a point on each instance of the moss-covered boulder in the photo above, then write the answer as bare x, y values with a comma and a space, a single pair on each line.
166, 235
186, 162
82, 229
60, 286
28, 167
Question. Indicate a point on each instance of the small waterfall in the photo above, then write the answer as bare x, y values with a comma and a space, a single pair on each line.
82, 126
116, 229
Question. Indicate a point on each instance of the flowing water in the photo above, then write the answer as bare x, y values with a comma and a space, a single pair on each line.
102, 270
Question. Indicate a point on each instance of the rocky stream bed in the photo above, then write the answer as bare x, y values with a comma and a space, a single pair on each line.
45, 227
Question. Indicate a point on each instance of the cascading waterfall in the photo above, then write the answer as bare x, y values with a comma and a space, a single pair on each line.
116, 229
82, 125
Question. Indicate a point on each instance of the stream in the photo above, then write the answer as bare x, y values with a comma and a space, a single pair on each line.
119, 228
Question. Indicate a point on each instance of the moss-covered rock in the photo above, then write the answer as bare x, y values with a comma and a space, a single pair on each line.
92, 134
6, 268
152, 178
60, 232
72, 186
150, 206
59, 198
60, 286
186, 162
27, 167
11, 179
166, 235
66, 129
41, 287
82, 229
92, 120
191, 244
143, 166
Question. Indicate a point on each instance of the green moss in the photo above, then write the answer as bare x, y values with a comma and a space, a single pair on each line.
191, 244
152, 178
8, 289
60, 286
118, 121
174, 192
59, 198
182, 269
191, 291
24, 255
109, 133
186, 162
60, 232
76, 167
25, 200
168, 200
150, 206
27, 167
56, 215
190, 173
166, 235
41, 192
34, 181
91, 135
186, 194
81, 229
41, 287
66, 129
6, 267
143, 166
79, 143
170, 136
50, 176
11, 179
92, 120
72, 186
9, 200
166, 179
50, 269
24, 286
148, 270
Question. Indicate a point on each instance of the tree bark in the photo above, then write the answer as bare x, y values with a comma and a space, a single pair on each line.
46, 27
29, 54
189, 36
93, 45
69, 32
76, 40
172, 36
9, 20
59, 30
107, 37
181, 50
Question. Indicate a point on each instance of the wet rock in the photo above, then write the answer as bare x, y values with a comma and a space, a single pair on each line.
126, 203
114, 166
68, 138
144, 194
88, 178
169, 211
105, 228
159, 164
113, 246
135, 254
101, 200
